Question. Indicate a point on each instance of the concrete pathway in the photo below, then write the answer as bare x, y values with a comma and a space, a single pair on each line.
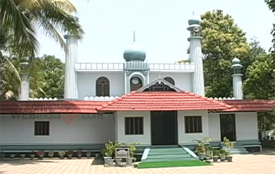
263, 163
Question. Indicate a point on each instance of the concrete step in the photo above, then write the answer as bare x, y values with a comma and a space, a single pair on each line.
170, 159
167, 152
168, 156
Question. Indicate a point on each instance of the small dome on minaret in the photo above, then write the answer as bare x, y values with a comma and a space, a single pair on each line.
194, 20
135, 52
236, 61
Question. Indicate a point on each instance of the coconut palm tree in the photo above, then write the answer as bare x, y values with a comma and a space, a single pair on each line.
20, 18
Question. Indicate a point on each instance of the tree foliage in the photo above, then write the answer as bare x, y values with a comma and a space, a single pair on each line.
271, 6
19, 19
260, 82
51, 74
46, 78
222, 41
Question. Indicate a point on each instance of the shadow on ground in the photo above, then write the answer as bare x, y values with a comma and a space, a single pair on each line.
97, 161
24, 161
266, 151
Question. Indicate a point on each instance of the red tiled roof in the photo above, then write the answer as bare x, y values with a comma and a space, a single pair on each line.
139, 101
162, 101
249, 105
27, 107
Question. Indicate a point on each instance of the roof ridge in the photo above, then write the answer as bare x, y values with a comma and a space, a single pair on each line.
116, 100
208, 99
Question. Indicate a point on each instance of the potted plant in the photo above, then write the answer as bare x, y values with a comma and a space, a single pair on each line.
222, 154
208, 153
229, 145
88, 154
70, 154
108, 152
61, 154
22, 155
202, 146
51, 154
79, 153
12, 155
132, 150
32, 155
41, 154
215, 155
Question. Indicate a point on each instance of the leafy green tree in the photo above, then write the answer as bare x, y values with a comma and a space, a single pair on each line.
271, 6
260, 82
46, 78
19, 19
222, 41
51, 74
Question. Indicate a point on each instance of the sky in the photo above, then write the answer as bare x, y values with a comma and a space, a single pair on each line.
160, 27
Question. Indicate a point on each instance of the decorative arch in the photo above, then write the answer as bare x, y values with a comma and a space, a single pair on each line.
102, 86
170, 80
136, 81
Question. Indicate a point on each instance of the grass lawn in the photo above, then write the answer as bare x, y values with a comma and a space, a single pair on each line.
160, 164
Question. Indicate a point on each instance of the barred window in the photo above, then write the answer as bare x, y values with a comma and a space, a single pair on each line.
193, 124
41, 128
134, 125
102, 87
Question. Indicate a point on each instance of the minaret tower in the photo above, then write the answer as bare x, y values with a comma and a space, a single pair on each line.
237, 79
195, 40
70, 91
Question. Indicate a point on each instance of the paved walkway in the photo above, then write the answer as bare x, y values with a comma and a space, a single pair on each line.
243, 164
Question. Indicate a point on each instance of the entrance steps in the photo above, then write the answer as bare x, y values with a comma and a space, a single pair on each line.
161, 153
238, 149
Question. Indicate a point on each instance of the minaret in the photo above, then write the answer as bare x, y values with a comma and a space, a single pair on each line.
195, 40
70, 91
25, 86
237, 79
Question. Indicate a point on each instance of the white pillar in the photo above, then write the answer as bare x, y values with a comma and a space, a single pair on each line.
237, 86
237, 79
70, 91
195, 40
25, 87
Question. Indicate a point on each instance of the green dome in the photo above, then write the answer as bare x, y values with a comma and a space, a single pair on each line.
194, 21
134, 53
236, 61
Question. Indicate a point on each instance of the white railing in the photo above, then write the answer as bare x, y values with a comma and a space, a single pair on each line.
96, 98
120, 66
171, 66
40, 99
223, 98
99, 66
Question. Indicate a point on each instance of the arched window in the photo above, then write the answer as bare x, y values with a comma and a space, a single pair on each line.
170, 80
135, 83
102, 87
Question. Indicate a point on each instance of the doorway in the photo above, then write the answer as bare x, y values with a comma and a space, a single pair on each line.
228, 126
164, 128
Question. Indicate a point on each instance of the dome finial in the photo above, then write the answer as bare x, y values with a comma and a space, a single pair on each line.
134, 36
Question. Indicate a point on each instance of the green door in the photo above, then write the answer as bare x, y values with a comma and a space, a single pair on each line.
164, 128
228, 126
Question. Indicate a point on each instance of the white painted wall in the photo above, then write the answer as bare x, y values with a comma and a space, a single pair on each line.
86, 82
82, 129
187, 138
214, 126
182, 80
246, 126
144, 139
